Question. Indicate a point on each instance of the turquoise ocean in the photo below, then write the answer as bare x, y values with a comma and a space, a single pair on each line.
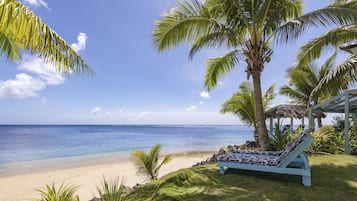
23, 145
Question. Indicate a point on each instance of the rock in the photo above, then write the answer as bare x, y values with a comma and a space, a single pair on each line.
221, 151
95, 199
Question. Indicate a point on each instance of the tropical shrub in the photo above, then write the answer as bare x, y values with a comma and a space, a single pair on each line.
147, 164
64, 192
327, 140
279, 138
112, 190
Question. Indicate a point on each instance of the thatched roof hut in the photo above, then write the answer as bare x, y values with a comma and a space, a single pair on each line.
291, 111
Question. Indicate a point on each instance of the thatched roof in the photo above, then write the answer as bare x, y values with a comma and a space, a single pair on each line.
288, 111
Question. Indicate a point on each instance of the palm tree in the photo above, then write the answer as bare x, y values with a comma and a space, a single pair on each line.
147, 164
21, 29
64, 192
343, 14
304, 79
243, 26
112, 190
242, 104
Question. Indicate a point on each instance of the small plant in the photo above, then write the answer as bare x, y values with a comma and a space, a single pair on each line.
112, 190
63, 193
279, 138
147, 164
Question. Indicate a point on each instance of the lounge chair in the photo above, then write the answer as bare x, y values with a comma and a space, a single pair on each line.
291, 160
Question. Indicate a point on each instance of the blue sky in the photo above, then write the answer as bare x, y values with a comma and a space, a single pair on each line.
134, 84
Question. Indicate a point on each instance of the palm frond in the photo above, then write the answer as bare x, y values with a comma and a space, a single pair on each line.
65, 192
21, 25
11, 49
336, 14
218, 67
333, 38
183, 23
111, 190
147, 163
269, 96
339, 78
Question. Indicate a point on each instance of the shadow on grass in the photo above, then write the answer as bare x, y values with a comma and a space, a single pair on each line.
329, 182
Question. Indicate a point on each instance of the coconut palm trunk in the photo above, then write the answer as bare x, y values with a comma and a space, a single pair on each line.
261, 127
244, 26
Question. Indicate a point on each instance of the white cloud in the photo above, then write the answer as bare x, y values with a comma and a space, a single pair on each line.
205, 94
201, 102
191, 108
81, 44
25, 85
21, 87
95, 111
47, 72
37, 3
220, 83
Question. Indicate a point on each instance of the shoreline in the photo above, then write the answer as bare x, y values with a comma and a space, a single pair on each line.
86, 173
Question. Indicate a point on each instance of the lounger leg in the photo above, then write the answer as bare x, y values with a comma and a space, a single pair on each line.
306, 180
221, 170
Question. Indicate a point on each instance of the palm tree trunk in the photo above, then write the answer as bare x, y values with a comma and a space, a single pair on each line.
319, 122
261, 126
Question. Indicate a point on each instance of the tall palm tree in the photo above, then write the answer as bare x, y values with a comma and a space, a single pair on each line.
242, 104
243, 26
305, 78
341, 13
147, 164
21, 29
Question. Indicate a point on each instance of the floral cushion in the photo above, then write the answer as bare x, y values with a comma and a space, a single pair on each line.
270, 153
263, 158
250, 159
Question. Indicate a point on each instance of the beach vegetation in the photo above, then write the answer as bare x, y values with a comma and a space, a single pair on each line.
305, 78
65, 192
342, 14
334, 177
280, 137
147, 164
111, 190
245, 27
242, 104
21, 29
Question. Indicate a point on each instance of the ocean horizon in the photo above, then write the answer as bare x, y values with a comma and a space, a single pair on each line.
22, 146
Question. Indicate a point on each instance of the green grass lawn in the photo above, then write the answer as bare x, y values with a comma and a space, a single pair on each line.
334, 177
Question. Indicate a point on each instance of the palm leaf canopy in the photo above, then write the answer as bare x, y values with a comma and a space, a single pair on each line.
235, 25
20, 29
242, 103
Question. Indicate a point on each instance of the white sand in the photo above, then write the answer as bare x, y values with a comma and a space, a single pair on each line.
21, 186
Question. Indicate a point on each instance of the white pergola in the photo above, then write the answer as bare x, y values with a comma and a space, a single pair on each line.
345, 103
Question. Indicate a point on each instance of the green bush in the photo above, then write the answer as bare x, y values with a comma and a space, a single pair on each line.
326, 139
62, 193
279, 138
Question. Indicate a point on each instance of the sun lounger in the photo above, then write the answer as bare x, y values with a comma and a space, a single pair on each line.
291, 160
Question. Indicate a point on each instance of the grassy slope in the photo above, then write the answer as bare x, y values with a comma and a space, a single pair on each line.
334, 177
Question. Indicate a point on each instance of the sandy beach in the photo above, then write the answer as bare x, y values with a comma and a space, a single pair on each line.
88, 176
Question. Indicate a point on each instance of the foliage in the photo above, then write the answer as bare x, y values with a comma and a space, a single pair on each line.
305, 78
112, 190
245, 27
62, 193
279, 138
147, 164
21, 29
327, 140
242, 103
343, 14
333, 178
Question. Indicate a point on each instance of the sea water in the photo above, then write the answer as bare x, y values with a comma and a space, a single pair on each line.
20, 144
